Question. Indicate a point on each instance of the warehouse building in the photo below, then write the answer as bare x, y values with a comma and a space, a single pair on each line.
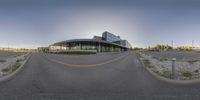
107, 43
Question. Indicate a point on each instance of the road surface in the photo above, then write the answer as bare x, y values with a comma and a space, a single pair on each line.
115, 76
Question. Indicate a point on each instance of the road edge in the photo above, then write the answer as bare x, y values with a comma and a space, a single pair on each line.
171, 81
12, 75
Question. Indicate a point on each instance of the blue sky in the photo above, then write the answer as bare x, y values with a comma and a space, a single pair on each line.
33, 23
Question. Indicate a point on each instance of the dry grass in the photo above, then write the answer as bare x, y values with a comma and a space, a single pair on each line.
187, 74
192, 61
2, 60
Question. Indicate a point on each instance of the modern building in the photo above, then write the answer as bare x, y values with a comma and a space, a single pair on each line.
107, 36
107, 43
42, 49
97, 38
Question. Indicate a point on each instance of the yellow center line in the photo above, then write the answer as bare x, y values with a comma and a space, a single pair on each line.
91, 65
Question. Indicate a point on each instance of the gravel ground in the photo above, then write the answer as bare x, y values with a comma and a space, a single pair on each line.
179, 55
4, 55
187, 64
10, 62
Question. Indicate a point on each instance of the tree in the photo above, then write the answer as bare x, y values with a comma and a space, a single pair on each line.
159, 47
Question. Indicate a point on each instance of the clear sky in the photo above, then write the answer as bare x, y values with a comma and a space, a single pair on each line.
33, 23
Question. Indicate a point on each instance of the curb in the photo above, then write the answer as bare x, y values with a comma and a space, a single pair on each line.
171, 81
13, 74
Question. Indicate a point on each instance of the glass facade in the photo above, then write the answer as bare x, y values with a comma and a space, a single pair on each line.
107, 43
115, 39
86, 45
110, 37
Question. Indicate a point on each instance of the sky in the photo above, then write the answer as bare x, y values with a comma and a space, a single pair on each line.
36, 23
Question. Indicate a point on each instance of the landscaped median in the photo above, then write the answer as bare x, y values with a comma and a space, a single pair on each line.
185, 71
75, 52
10, 66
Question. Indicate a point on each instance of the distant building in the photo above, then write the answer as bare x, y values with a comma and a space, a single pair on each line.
123, 43
107, 36
99, 38
42, 49
107, 43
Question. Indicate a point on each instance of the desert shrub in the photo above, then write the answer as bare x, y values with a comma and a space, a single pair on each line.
184, 48
166, 74
2, 60
187, 74
154, 57
196, 71
192, 61
137, 49
16, 66
160, 47
6, 70
163, 59
146, 62
18, 60
78, 52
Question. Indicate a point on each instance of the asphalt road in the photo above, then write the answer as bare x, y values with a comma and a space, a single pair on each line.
116, 76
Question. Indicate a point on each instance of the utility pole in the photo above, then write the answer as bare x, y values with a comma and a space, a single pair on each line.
8, 46
172, 44
192, 43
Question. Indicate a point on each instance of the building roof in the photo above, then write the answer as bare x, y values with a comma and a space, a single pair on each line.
88, 40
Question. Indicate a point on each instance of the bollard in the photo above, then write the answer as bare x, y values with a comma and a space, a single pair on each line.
173, 68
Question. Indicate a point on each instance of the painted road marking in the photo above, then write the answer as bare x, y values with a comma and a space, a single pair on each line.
91, 65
